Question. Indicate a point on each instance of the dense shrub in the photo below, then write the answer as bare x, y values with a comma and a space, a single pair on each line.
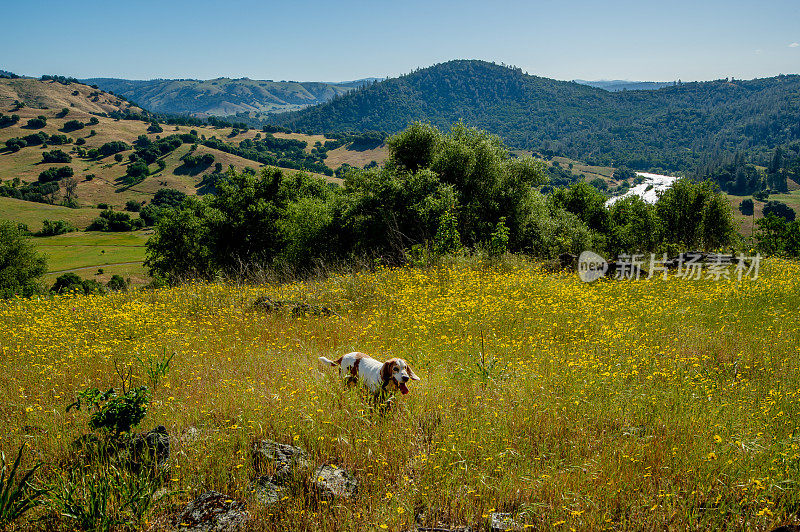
136, 172
73, 125
35, 139
54, 227
55, 174
8, 120
198, 161
779, 209
168, 197
36, 191
37, 123
111, 221
778, 236
117, 283
55, 156
21, 265
623, 174
110, 148
58, 139
15, 144
747, 207
70, 282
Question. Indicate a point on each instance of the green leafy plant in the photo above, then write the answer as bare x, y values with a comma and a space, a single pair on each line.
498, 243
16, 496
484, 367
155, 368
447, 238
111, 411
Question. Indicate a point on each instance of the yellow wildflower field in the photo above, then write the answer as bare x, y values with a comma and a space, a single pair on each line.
652, 404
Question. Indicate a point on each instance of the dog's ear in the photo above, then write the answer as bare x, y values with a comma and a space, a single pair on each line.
411, 373
386, 370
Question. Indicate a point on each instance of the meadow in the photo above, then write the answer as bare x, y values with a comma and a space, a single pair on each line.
657, 404
95, 255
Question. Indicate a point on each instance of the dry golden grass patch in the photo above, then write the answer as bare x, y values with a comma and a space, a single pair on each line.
357, 158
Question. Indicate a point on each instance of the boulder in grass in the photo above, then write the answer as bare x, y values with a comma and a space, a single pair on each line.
500, 522
213, 512
285, 459
334, 482
151, 447
266, 491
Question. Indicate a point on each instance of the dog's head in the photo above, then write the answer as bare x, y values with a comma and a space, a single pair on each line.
396, 373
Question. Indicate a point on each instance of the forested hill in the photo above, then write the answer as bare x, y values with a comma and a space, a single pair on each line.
673, 128
222, 96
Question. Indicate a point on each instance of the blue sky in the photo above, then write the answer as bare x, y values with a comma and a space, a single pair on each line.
348, 39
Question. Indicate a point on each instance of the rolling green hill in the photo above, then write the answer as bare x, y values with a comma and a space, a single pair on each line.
101, 178
673, 128
223, 96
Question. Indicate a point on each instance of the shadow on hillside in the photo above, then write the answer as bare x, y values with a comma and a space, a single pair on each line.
190, 170
209, 184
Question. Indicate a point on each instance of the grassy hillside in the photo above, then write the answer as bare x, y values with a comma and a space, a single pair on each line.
222, 96
675, 128
101, 180
615, 405
95, 255
746, 223
33, 214
54, 95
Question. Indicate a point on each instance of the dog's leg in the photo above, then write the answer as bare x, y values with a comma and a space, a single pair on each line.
353, 377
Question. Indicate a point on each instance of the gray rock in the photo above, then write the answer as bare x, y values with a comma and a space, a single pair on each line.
298, 308
213, 512
266, 491
151, 447
332, 481
285, 459
499, 522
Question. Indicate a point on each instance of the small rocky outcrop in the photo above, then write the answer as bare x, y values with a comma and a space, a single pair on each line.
290, 471
266, 491
500, 522
297, 308
151, 447
332, 482
213, 512
284, 460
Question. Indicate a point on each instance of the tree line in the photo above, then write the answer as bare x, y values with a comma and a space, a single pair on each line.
437, 193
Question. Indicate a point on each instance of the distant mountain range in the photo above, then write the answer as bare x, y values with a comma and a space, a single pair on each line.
625, 85
224, 96
677, 127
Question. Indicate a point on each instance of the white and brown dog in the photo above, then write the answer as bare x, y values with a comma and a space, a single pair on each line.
377, 376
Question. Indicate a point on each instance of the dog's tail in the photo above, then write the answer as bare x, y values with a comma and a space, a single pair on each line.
331, 362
